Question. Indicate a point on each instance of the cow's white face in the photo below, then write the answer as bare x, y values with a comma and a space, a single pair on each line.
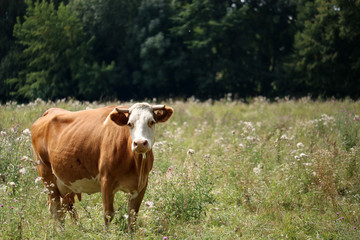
142, 127
141, 119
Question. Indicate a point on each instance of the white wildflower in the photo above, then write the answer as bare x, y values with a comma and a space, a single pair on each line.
190, 152
284, 137
248, 127
126, 216
149, 204
206, 156
45, 191
11, 184
300, 145
302, 155
26, 132
257, 169
22, 171
250, 138
38, 179
24, 159
241, 145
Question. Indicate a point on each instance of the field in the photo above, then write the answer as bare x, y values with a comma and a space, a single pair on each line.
223, 170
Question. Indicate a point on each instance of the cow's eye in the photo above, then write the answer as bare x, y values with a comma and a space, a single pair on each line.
152, 123
131, 125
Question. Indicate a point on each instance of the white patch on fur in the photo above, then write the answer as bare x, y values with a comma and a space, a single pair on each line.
62, 187
86, 185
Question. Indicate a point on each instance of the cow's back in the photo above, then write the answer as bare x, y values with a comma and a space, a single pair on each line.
70, 140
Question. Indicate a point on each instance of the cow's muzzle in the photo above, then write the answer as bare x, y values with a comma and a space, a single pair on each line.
141, 146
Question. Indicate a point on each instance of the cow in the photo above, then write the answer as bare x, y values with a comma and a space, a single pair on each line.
103, 150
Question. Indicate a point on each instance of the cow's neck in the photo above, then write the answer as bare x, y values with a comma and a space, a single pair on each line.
143, 165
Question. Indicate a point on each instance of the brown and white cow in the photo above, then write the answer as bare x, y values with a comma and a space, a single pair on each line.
100, 150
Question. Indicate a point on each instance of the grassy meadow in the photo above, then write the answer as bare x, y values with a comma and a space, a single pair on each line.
223, 170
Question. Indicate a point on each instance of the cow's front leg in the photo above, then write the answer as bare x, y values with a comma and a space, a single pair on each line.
133, 208
108, 200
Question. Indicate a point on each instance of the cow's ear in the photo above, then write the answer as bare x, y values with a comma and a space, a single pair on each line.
120, 118
163, 115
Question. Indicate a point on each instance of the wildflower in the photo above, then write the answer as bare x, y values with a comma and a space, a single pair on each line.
38, 179
22, 171
251, 138
354, 227
149, 204
26, 132
302, 155
12, 207
11, 184
337, 213
206, 156
241, 145
190, 152
24, 159
2, 205
257, 169
284, 137
126, 216
300, 145
165, 238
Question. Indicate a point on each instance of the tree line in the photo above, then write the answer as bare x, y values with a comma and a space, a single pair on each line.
117, 49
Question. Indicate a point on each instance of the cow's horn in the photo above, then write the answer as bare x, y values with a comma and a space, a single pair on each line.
158, 107
122, 110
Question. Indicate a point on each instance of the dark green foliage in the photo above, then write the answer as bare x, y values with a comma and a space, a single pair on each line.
93, 49
9, 10
54, 50
326, 49
236, 46
56, 55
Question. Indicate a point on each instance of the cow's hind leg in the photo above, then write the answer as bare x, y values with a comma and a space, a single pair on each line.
68, 202
54, 197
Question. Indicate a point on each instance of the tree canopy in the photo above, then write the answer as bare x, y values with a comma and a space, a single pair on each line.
106, 49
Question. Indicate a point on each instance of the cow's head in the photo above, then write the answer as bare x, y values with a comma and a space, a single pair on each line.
141, 119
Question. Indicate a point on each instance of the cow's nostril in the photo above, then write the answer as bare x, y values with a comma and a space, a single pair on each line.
140, 143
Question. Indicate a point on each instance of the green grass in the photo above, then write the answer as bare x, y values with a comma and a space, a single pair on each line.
264, 170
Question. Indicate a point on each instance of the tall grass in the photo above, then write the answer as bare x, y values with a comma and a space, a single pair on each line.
223, 170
